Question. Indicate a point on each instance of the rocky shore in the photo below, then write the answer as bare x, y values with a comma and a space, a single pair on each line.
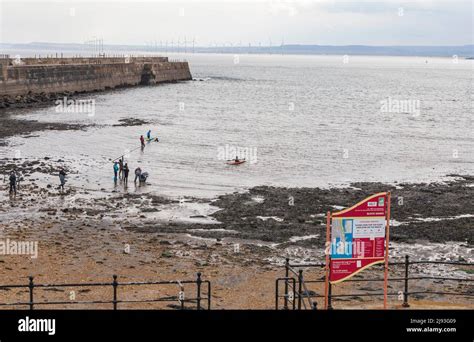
436, 212
30, 100
239, 241
11, 125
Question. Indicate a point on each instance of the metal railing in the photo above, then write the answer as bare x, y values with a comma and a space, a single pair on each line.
202, 299
299, 286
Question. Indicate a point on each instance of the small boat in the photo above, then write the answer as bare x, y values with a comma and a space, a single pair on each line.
234, 162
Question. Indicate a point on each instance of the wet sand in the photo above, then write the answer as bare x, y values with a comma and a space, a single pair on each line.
88, 251
84, 236
10, 126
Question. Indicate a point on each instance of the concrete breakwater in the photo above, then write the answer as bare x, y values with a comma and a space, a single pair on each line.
26, 82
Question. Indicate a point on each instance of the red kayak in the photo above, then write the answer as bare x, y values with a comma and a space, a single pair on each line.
233, 162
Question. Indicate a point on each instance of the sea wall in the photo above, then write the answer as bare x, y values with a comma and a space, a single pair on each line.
33, 80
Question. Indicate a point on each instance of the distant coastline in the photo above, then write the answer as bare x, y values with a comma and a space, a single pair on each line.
461, 51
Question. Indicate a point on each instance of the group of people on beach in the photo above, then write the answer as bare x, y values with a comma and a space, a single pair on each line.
148, 137
122, 170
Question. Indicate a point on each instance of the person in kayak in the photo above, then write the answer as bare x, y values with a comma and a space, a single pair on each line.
236, 159
138, 172
62, 179
116, 169
142, 141
148, 134
126, 170
13, 183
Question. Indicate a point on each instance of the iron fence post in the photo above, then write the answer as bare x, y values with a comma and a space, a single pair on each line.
405, 293
115, 284
329, 297
31, 286
287, 270
294, 289
300, 281
198, 282
209, 295
276, 294
181, 300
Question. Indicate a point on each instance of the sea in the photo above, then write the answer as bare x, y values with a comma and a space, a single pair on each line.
298, 121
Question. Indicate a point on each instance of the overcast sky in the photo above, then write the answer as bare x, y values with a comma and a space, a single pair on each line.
330, 22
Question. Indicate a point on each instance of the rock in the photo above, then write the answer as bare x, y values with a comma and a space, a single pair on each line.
167, 254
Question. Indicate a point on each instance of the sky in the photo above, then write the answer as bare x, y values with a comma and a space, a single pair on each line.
240, 22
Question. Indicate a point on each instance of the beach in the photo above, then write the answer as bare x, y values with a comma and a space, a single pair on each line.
310, 150
84, 237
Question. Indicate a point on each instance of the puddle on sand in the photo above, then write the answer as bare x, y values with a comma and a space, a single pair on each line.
187, 212
265, 218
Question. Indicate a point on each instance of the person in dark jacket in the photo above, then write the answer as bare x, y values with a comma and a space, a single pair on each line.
13, 183
126, 170
62, 179
138, 172
143, 178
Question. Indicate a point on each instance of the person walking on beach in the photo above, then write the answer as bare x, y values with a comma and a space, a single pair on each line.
116, 169
142, 141
62, 179
126, 170
13, 183
138, 173
148, 134
121, 168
